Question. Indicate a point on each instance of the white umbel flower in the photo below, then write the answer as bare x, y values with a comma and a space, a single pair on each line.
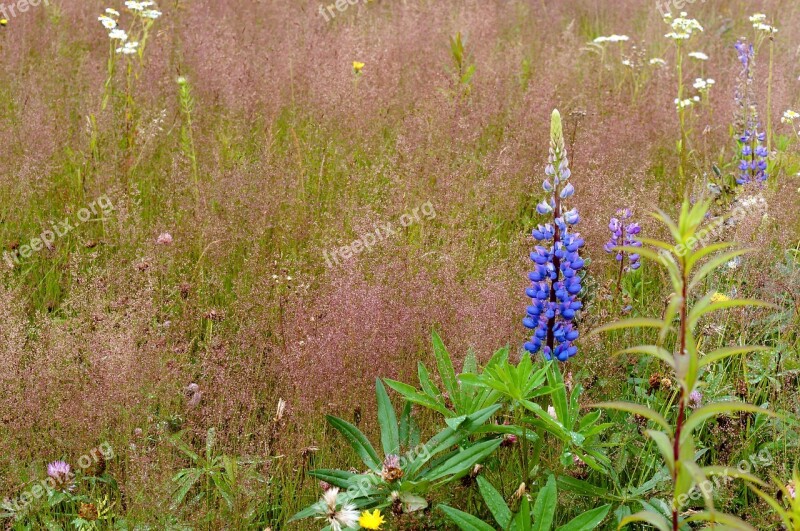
118, 34
129, 48
700, 56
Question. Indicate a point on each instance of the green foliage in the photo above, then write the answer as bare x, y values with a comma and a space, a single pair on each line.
687, 265
540, 517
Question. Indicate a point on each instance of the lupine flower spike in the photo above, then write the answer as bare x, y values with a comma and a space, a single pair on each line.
623, 234
753, 155
555, 280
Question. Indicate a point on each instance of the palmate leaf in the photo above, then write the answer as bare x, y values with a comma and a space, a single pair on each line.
637, 409
387, 419
465, 521
358, 441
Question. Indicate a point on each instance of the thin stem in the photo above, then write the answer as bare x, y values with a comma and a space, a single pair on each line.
676, 448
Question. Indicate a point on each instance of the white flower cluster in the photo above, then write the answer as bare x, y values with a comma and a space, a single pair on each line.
789, 117
682, 27
688, 102
703, 85
759, 23
657, 61
700, 56
611, 38
110, 22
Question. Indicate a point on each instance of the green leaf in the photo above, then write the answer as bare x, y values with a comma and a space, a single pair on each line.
425, 381
698, 311
714, 263
337, 478
654, 519
462, 461
358, 441
495, 502
636, 322
544, 508
729, 521
724, 352
664, 444
465, 521
650, 350
637, 409
387, 419
718, 408
445, 367
586, 521
412, 395
584, 488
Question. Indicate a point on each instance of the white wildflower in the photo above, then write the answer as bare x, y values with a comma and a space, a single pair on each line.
107, 22
112, 12
151, 13
700, 56
134, 6
789, 117
129, 48
703, 85
657, 61
766, 28
758, 17
683, 27
118, 34
338, 519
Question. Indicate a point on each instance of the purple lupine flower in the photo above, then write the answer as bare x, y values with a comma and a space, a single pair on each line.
752, 154
623, 234
555, 280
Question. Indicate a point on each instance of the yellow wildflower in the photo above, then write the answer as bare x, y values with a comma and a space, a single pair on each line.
371, 521
357, 66
3, 22
719, 297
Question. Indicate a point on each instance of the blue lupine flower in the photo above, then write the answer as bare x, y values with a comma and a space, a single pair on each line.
753, 155
623, 234
555, 279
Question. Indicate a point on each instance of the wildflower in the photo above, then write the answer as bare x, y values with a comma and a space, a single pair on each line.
700, 56
623, 235
59, 471
766, 28
118, 34
128, 48
758, 17
357, 66
703, 85
391, 468
552, 412
107, 22
753, 155
151, 13
789, 117
790, 489
194, 393
112, 12
682, 27
612, 38
680, 104
165, 238
337, 518
695, 399
134, 6
509, 439
719, 297
555, 280
3, 22
372, 520
657, 61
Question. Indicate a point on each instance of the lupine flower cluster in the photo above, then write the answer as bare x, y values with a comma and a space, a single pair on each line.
555, 280
753, 155
623, 234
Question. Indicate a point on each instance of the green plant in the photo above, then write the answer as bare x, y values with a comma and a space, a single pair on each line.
463, 69
687, 266
402, 481
540, 517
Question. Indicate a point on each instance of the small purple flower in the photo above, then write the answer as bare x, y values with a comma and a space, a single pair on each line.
695, 399
752, 154
623, 234
59, 471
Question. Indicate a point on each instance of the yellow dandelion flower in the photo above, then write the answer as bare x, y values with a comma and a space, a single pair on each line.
357, 66
3, 22
371, 521
719, 297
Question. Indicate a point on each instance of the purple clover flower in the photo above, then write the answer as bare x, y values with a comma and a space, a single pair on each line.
623, 234
555, 280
